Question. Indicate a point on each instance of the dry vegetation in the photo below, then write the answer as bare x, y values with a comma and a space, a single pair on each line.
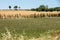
20, 13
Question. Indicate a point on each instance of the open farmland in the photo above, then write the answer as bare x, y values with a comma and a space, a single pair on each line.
45, 28
23, 13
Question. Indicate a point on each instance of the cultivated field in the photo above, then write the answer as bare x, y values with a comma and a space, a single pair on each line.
23, 13
45, 28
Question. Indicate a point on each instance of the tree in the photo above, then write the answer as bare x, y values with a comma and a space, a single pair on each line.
33, 9
15, 7
57, 9
51, 9
41, 8
9, 7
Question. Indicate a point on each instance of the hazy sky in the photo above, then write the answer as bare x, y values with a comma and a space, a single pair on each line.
28, 3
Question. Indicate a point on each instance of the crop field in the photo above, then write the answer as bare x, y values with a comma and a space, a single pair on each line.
31, 27
23, 13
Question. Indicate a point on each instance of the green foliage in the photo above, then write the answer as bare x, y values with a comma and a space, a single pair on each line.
51, 9
33, 9
32, 26
48, 35
57, 9
15, 7
44, 8
9, 7
40, 8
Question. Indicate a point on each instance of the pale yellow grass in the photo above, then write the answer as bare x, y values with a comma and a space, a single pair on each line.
24, 13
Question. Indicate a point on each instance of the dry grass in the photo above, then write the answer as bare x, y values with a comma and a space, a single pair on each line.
50, 35
20, 13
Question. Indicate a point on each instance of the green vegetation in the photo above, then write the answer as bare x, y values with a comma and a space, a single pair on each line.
15, 7
50, 35
33, 26
9, 7
45, 8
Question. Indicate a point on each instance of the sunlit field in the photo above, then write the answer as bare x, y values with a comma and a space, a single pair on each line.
31, 28
26, 14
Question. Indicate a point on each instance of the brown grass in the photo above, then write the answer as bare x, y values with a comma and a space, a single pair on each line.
23, 13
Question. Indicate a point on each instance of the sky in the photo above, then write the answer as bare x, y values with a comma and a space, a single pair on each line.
28, 4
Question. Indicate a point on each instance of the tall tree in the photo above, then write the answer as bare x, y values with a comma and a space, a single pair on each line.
41, 8
15, 7
9, 7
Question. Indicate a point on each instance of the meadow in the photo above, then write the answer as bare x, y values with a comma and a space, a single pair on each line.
31, 27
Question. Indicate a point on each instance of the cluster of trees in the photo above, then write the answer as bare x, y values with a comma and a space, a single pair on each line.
45, 8
15, 7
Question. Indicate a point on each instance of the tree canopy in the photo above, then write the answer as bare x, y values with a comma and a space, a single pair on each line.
45, 8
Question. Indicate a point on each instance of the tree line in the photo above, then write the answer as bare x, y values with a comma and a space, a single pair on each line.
45, 8
15, 7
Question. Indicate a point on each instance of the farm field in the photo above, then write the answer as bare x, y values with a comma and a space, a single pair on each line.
30, 27
6, 13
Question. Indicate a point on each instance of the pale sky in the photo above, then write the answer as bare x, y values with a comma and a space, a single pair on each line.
27, 4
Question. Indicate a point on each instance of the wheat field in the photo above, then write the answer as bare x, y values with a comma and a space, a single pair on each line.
23, 13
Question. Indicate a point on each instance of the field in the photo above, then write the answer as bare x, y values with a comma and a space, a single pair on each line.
31, 27
25, 25
23, 13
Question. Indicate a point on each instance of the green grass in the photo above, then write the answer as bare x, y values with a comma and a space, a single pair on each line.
32, 26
